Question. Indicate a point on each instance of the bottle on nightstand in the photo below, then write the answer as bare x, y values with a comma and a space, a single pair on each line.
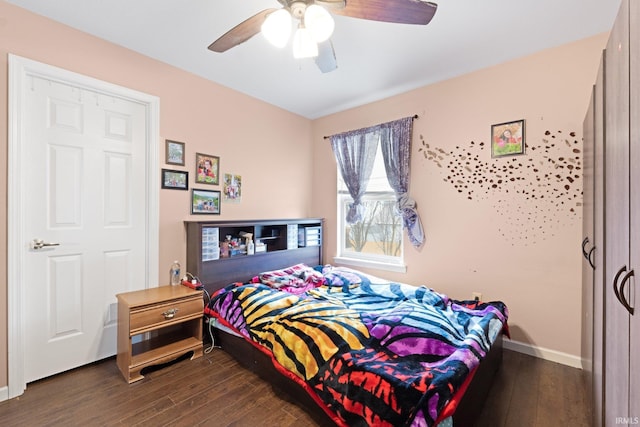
174, 273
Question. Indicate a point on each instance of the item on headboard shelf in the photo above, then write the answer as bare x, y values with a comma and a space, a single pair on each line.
224, 250
248, 242
238, 250
292, 236
210, 244
260, 247
309, 236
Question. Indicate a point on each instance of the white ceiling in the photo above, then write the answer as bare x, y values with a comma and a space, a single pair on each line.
375, 60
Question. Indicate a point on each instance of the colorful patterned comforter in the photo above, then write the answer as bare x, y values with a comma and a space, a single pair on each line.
372, 354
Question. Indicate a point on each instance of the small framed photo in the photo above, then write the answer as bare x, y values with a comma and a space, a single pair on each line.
207, 169
507, 138
175, 180
205, 202
174, 152
232, 188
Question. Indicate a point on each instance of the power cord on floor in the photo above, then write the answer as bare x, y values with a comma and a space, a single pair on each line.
211, 321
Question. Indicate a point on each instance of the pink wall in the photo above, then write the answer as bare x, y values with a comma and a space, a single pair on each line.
520, 241
498, 243
248, 135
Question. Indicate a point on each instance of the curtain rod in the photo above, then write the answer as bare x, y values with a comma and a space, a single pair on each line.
415, 116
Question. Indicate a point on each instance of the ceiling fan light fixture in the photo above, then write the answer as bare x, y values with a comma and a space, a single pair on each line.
304, 46
319, 22
277, 28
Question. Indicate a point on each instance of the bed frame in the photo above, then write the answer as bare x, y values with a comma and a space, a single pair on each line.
469, 407
254, 360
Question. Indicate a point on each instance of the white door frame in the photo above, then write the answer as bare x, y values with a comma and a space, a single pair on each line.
20, 70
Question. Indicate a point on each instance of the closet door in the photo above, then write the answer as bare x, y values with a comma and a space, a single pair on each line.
617, 221
588, 164
633, 289
597, 256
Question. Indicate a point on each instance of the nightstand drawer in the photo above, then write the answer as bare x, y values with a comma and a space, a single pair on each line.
173, 312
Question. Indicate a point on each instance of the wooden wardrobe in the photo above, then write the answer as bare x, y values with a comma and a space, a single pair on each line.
611, 245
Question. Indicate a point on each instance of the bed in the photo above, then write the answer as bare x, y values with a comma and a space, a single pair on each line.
354, 349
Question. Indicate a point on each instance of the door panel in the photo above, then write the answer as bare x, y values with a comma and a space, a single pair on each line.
588, 242
617, 217
117, 182
65, 176
599, 288
64, 291
633, 298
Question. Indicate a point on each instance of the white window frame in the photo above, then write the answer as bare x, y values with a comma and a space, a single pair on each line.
358, 259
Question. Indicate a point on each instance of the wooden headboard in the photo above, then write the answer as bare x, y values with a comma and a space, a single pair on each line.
288, 242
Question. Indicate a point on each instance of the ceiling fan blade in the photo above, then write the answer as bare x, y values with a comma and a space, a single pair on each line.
396, 11
241, 32
326, 59
331, 4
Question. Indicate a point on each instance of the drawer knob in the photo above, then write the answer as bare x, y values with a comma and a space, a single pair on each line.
169, 314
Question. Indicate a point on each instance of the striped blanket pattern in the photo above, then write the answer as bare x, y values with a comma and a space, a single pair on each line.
373, 354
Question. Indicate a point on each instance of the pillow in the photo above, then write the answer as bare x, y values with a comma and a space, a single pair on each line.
296, 276
340, 276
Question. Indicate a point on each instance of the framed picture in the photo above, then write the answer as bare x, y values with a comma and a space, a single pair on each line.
207, 169
175, 180
174, 152
507, 138
205, 202
232, 188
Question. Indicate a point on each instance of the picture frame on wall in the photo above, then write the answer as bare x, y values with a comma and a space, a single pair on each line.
232, 188
205, 202
174, 152
207, 169
508, 138
175, 180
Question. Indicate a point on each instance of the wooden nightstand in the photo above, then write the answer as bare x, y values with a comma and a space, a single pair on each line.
172, 317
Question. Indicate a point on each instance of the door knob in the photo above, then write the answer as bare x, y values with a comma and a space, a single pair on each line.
39, 244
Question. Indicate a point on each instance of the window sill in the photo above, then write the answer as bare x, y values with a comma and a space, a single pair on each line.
398, 268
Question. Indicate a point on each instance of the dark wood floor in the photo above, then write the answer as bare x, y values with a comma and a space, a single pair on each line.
216, 391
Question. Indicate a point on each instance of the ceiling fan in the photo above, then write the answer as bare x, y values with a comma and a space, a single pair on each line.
315, 24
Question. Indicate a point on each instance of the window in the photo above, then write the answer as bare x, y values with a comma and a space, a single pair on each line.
376, 241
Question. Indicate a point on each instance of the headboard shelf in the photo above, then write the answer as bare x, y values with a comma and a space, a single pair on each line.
286, 242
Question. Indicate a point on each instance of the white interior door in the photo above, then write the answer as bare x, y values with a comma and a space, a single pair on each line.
85, 176
84, 182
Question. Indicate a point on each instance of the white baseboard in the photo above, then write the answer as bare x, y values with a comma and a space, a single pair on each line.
4, 393
543, 353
